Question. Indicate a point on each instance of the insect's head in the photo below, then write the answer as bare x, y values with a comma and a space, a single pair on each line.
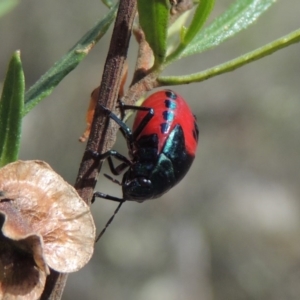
137, 188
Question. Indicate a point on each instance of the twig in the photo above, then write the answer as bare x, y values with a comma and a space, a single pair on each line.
101, 135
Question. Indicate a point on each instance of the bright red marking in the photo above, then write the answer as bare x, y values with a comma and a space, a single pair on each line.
182, 116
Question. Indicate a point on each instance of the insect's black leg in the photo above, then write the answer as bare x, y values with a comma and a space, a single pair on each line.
109, 222
126, 131
112, 153
144, 122
119, 169
109, 153
113, 179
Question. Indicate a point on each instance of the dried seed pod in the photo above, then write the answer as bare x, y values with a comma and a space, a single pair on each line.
45, 224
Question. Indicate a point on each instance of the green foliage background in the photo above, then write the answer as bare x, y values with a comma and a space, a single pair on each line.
230, 230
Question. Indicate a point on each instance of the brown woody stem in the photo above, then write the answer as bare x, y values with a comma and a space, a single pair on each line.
101, 137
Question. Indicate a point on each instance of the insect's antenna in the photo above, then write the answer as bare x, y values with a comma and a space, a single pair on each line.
109, 221
113, 179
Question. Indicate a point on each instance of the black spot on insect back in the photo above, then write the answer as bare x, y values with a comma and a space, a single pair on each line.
164, 127
168, 115
171, 94
195, 131
170, 104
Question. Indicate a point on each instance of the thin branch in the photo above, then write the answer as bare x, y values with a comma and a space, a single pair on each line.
101, 135
235, 63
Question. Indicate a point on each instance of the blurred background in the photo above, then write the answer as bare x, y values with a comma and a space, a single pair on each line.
231, 229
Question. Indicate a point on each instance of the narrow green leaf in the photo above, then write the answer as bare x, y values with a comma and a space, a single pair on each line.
238, 62
6, 6
11, 109
45, 85
108, 3
154, 20
238, 17
202, 12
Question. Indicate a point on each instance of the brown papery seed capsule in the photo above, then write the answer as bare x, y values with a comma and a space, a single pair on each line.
44, 223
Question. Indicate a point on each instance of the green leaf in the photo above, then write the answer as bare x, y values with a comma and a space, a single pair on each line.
202, 12
45, 85
108, 3
238, 17
233, 64
6, 6
11, 109
154, 20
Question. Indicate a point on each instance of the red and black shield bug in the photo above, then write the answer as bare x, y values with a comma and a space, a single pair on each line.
161, 145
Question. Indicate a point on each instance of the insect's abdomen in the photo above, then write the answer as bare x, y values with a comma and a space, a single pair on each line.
170, 109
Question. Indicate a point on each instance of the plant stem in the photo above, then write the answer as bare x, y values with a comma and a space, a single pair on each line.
100, 137
233, 64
